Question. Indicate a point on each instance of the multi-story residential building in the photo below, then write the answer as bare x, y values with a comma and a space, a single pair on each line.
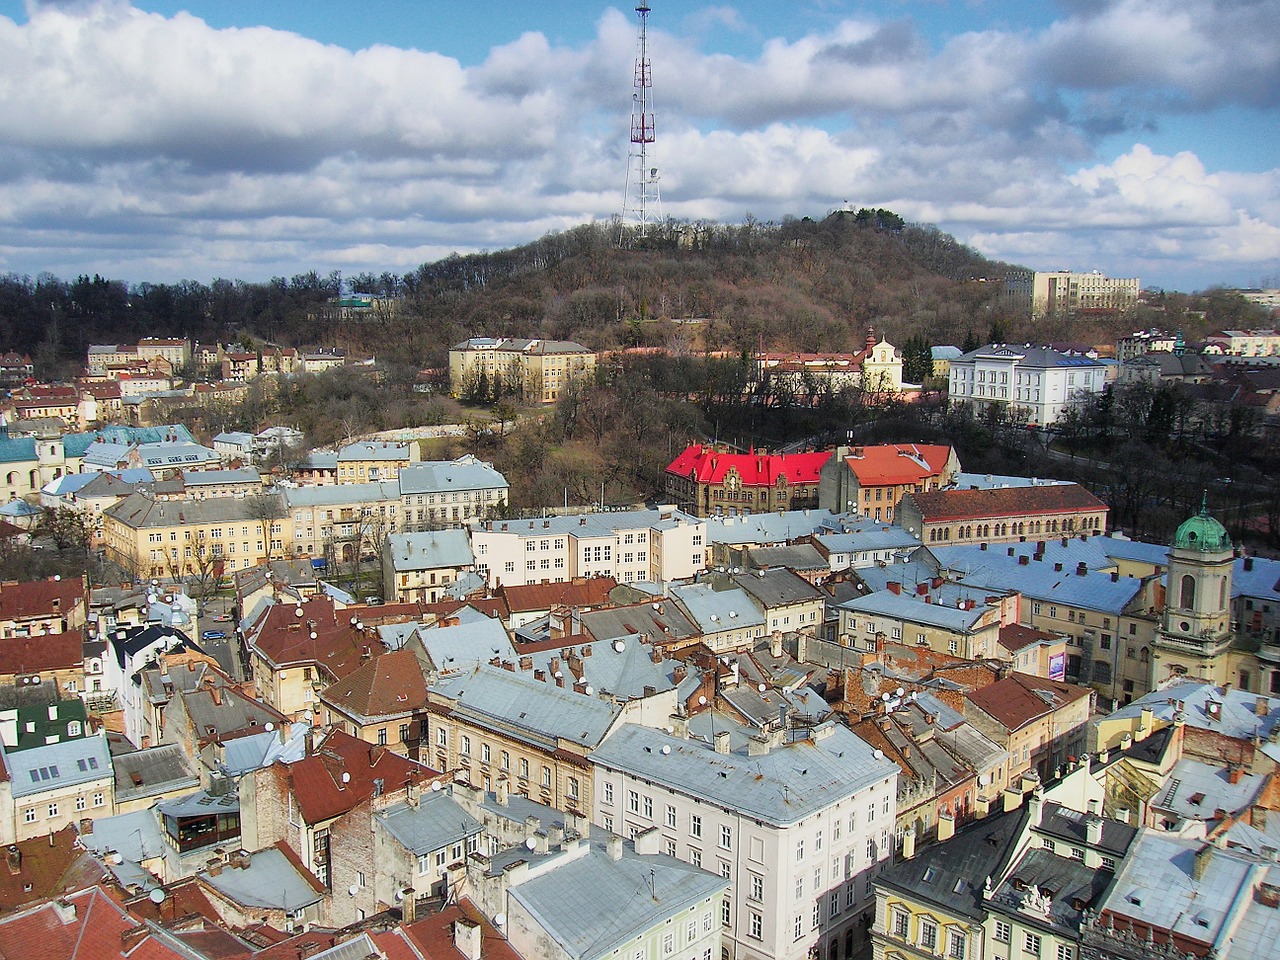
1003, 514
947, 618
798, 820
638, 545
871, 480
201, 538
1246, 343
1031, 384
420, 567
369, 461
1059, 292
1255, 609
208, 484
710, 482
49, 787
39, 607
342, 521
240, 367
444, 492
381, 702
727, 619
528, 734
536, 371
1042, 723
789, 602
176, 352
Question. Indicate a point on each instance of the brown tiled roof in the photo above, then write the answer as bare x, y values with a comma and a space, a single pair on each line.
39, 654
36, 598
1021, 698
44, 867
940, 505
286, 639
582, 592
388, 684
93, 933
1015, 637
433, 935
317, 781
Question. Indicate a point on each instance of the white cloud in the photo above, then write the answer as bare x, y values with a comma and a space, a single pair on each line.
137, 143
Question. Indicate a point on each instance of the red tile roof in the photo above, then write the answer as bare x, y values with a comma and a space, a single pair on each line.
585, 593
433, 935
388, 684
1020, 698
40, 598
44, 867
1015, 637
317, 781
91, 930
940, 505
41, 654
896, 464
708, 465
286, 639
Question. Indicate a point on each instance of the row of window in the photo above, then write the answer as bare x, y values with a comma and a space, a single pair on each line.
31, 814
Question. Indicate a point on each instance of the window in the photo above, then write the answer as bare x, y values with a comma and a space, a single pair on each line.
1003, 931
955, 945
798, 926
442, 737
98, 799
573, 788
900, 922
1108, 863
1066, 952
81, 803
633, 801
726, 916
382, 736
817, 916
695, 825
524, 768
757, 887
546, 776
1031, 944
671, 815
1077, 853
485, 754
30, 815
53, 809
607, 793
726, 837
799, 888
755, 926
799, 850
695, 856
465, 747
928, 935
668, 944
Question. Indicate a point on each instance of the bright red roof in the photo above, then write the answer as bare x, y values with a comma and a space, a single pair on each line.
895, 464
40, 598
708, 465
90, 930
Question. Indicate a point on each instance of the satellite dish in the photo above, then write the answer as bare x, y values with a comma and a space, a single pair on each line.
619, 646
156, 896
313, 634
762, 688
500, 919
346, 777
702, 701
57, 578
530, 844
899, 692
666, 749
435, 787
270, 726
588, 691
297, 612
353, 890
884, 697
878, 754
399, 895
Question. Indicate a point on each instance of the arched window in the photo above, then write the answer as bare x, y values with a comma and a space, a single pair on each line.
1187, 595
1144, 655
1222, 593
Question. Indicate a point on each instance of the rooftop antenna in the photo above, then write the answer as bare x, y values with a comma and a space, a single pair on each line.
642, 204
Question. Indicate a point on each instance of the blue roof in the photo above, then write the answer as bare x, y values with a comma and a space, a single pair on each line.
270, 881
461, 647
1038, 580
716, 610
75, 444
465, 473
1261, 580
766, 527
907, 606
433, 823
430, 550
59, 765
17, 449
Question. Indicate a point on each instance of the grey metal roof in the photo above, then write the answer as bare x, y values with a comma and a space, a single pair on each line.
430, 550
1237, 716
335, 494
435, 822
623, 673
778, 587
532, 710
136, 836
436, 476
1195, 790
593, 524
205, 478
461, 647
157, 770
140, 511
716, 610
913, 609
591, 905
1029, 356
201, 803
1070, 881
766, 527
374, 450
1261, 580
800, 556
270, 881
790, 782
992, 481
58, 765
871, 540
243, 754
657, 621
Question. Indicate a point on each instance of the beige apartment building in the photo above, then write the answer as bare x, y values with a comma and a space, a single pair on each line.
1045, 294
536, 371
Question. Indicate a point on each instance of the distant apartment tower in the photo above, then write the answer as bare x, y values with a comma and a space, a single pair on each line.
533, 371
1064, 291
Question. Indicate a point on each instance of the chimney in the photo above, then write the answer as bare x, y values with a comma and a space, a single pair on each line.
908, 843
614, 847
408, 906
1115, 576
1234, 775
216, 693
775, 645
1261, 707
722, 741
946, 826
502, 793
466, 938
1081, 568
14, 858
1093, 830
922, 589
1203, 856
894, 587
1023, 560
1057, 568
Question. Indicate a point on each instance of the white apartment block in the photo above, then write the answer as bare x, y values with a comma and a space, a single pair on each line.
638, 545
1035, 384
799, 821
1045, 294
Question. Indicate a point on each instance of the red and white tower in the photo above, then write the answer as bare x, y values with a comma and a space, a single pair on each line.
642, 204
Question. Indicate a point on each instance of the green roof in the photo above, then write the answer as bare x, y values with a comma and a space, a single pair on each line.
1202, 533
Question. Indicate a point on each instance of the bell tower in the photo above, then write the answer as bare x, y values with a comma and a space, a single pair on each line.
1195, 633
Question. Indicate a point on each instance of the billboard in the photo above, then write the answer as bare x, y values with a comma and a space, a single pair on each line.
1058, 666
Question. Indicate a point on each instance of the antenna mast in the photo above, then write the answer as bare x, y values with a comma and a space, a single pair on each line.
642, 204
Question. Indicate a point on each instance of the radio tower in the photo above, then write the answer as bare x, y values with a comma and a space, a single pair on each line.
642, 204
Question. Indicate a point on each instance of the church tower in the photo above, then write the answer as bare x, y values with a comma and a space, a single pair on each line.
1195, 634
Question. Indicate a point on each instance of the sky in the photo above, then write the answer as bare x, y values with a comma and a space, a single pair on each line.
158, 141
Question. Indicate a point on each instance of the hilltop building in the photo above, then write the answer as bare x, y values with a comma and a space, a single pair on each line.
535, 371
1046, 294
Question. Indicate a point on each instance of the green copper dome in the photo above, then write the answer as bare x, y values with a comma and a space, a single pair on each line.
1202, 533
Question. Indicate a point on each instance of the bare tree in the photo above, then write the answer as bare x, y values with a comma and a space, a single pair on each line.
266, 509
